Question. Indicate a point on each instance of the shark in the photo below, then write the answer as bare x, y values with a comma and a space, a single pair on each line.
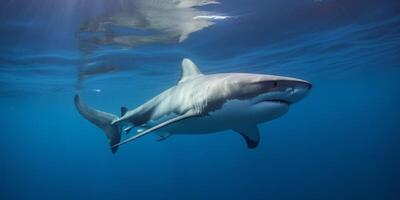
203, 104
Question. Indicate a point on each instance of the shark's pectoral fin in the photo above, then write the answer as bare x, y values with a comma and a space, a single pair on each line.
251, 134
189, 114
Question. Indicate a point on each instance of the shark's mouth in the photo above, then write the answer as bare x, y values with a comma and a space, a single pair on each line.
279, 101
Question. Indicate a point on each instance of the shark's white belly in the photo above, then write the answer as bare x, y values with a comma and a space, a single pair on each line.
234, 113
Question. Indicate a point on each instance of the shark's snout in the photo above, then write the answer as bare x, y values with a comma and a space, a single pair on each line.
283, 90
302, 84
293, 90
298, 91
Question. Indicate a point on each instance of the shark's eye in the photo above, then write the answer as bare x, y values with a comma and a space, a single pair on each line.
275, 84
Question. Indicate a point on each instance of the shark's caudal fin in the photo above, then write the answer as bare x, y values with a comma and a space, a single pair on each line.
102, 120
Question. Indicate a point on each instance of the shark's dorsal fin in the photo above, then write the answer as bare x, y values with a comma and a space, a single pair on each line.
251, 134
123, 110
189, 70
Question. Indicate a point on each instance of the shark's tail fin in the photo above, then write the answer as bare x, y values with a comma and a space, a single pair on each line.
102, 120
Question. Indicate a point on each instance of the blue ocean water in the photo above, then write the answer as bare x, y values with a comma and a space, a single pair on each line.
340, 142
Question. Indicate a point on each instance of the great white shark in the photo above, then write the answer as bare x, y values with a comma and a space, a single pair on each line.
201, 104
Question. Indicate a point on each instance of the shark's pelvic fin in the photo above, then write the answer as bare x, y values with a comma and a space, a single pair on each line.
102, 120
251, 134
189, 114
128, 129
189, 70
163, 135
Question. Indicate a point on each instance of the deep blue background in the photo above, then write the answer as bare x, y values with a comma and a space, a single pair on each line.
341, 142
